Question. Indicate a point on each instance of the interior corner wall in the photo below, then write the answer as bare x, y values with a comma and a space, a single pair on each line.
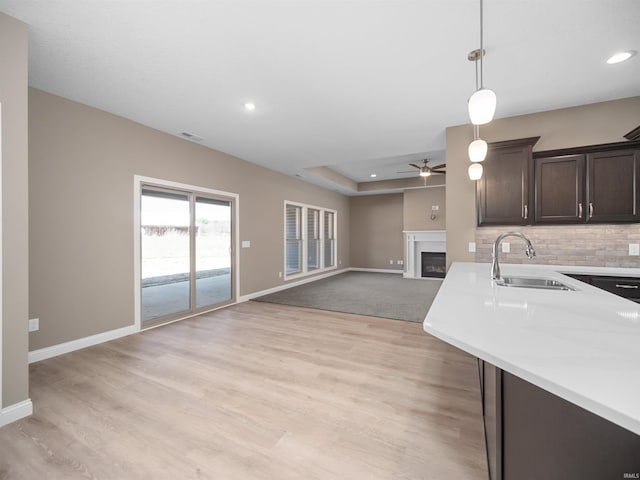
418, 208
592, 124
82, 167
376, 231
15, 234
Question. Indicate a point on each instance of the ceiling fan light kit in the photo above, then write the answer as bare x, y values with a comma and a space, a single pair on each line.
482, 108
425, 170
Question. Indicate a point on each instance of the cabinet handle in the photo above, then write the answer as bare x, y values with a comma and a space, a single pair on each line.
622, 285
526, 211
579, 210
590, 210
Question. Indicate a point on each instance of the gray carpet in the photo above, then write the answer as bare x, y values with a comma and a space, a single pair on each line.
387, 295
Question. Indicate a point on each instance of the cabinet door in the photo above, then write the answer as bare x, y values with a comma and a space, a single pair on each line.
559, 189
612, 186
504, 191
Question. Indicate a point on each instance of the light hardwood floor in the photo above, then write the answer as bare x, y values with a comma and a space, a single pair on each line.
254, 391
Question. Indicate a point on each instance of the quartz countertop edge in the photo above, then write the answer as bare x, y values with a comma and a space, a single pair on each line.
581, 345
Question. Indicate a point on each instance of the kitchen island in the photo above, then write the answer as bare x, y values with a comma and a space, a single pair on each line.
548, 357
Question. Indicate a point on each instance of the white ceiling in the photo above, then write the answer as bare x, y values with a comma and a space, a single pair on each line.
361, 86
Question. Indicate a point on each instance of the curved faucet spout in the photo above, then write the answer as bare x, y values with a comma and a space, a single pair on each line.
495, 266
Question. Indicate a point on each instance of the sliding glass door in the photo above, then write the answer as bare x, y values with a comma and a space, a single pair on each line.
185, 251
213, 251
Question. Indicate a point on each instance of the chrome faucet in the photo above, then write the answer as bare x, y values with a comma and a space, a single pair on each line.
495, 266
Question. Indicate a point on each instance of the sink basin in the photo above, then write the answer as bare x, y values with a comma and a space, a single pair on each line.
524, 282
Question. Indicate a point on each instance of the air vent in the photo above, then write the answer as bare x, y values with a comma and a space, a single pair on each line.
192, 136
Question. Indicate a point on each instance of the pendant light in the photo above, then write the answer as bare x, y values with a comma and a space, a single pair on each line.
478, 148
482, 104
482, 107
475, 171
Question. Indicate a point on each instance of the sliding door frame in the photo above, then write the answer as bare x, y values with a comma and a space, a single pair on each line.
138, 182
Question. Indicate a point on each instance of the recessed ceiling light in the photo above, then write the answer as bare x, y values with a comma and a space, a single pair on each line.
250, 106
620, 57
373, 175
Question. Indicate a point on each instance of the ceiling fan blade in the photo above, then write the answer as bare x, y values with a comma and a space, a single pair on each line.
439, 167
414, 165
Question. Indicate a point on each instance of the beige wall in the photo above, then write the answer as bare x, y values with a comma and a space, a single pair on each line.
82, 165
15, 235
376, 231
417, 208
584, 125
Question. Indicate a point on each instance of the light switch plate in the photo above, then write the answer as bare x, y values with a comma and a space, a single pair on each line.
634, 249
472, 247
435, 207
34, 324
506, 247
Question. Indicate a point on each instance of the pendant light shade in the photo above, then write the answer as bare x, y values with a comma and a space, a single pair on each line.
475, 171
482, 106
477, 150
425, 172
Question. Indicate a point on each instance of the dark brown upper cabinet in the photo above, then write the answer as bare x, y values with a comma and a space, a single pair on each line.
504, 193
559, 189
612, 186
595, 184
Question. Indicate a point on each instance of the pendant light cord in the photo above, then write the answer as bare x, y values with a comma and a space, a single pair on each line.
481, 46
476, 128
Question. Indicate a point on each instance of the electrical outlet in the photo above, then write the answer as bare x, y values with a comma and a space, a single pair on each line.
279, 274
506, 247
472, 247
634, 249
390, 262
34, 324
246, 244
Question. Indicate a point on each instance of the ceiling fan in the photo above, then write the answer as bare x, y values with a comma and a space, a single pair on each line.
425, 170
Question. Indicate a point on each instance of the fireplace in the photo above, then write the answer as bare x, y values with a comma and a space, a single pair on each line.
417, 242
434, 264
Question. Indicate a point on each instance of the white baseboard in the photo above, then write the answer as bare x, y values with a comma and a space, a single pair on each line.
55, 350
15, 412
376, 270
284, 286
73, 345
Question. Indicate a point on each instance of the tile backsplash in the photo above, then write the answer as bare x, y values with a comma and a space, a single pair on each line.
592, 245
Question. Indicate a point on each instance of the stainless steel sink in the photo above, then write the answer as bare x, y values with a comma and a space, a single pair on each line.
524, 282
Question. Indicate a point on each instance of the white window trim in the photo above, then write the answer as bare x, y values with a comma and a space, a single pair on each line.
138, 182
1, 264
304, 268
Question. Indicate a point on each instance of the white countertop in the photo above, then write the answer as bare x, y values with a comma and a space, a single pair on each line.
582, 345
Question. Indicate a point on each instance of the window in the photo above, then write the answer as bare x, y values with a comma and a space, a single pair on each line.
329, 239
293, 246
313, 239
310, 239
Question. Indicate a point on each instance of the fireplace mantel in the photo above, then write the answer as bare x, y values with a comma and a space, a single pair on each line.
418, 241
